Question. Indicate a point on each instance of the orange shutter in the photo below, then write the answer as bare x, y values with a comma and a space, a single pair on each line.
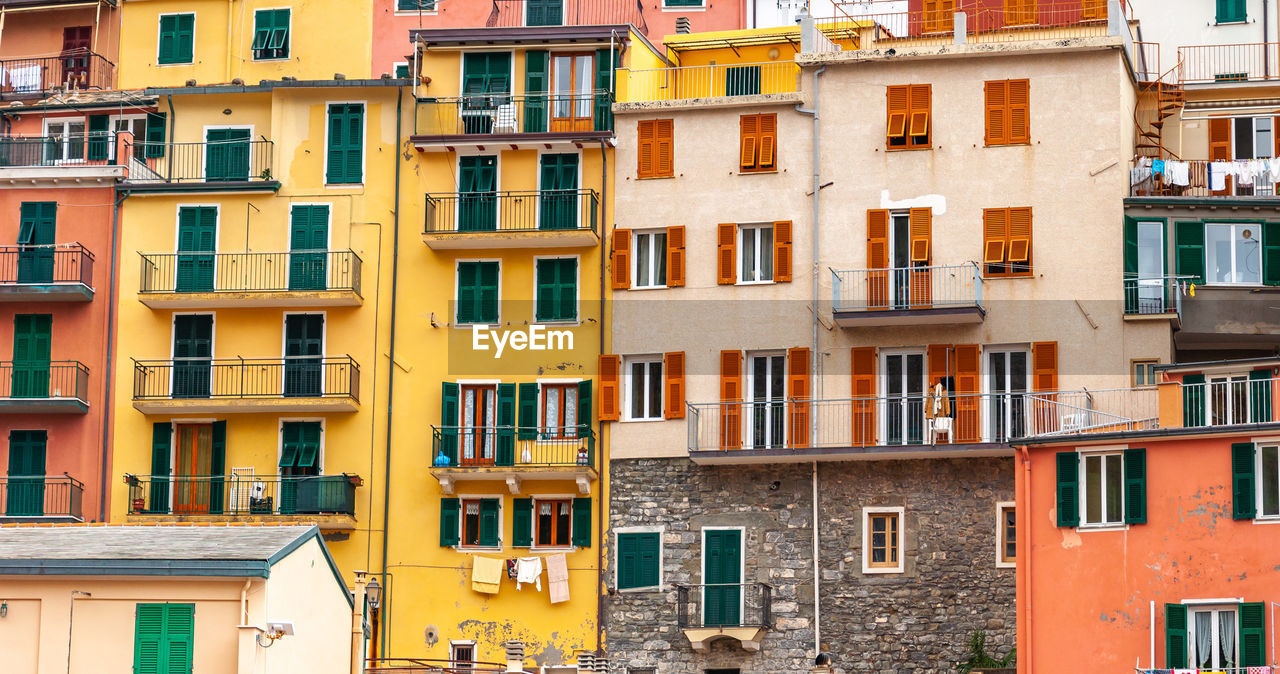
1044, 366
898, 107
799, 385
968, 373
939, 363
921, 104
675, 256
1020, 237
921, 253
730, 397
1019, 116
1094, 10
609, 367
782, 251
997, 99
863, 367
673, 384
726, 253
647, 149
750, 125
995, 231
1219, 139
621, 259
768, 141
877, 259
664, 148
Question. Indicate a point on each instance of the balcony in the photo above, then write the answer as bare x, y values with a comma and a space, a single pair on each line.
1229, 63
310, 278
246, 385
41, 498
738, 611
513, 122
79, 70
1144, 181
228, 166
1154, 298
44, 387
57, 273
512, 454
512, 219
327, 500
1232, 401
720, 85
513, 13
939, 295
432, 666
974, 22
77, 159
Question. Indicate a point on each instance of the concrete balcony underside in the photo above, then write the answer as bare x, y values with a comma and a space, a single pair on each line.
513, 141
711, 457
40, 519
515, 476
244, 406
339, 522
43, 406
45, 292
752, 100
750, 638
574, 238
951, 315
64, 175
250, 298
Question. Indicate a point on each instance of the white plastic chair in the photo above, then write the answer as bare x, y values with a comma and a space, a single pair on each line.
504, 119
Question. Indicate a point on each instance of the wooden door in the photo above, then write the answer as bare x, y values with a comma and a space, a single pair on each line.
722, 574
197, 232
226, 155
32, 343
36, 239
25, 495
559, 191
193, 468
308, 248
77, 43
477, 196
572, 101
303, 353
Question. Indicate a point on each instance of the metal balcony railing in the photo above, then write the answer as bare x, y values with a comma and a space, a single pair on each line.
914, 288
246, 378
1101, 411
1230, 402
242, 494
503, 113
59, 379
74, 70
1154, 295
1147, 180
515, 446
712, 81
71, 150
1210, 63
431, 666
512, 13
246, 162
198, 272
57, 263
512, 211
724, 605
1009, 23
41, 496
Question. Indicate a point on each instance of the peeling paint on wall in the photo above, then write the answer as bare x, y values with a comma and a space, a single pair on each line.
937, 202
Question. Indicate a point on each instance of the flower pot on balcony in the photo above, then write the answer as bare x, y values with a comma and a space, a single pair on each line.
138, 505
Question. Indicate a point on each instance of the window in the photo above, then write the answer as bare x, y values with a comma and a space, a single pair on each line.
651, 259
270, 34
1008, 111
551, 521
1006, 535
1207, 635
766, 391
477, 422
415, 5
344, 156
1019, 12
1006, 241
1228, 399
759, 144
755, 263
639, 561
462, 654
164, 636
1103, 489
177, 39
882, 540
560, 411
1212, 635
65, 140
682, 3
656, 148
644, 389
557, 289
477, 292
1233, 253
1268, 471
909, 116
1143, 372
401, 71
480, 519
1112, 486
1231, 11
939, 16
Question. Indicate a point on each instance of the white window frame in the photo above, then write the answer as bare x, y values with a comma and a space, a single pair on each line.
1225, 381
577, 289
627, 387
1001, 507
662, 545
1215, 608
462, 522
1084, 491
564, 430
64, 123
1259, 482
750, 408
701, 7
754, 228
533, 523
453, 654
457, 277
1233, 226
866, 539
988, 390
288, 37
651, 263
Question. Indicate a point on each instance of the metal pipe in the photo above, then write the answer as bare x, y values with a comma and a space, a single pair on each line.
600, 556
108, 412
391, 368
1023, 553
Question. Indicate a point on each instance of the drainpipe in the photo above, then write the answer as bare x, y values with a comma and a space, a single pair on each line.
1266, 55
107, 412
1023, 565
391, 370
600, 557
227, 77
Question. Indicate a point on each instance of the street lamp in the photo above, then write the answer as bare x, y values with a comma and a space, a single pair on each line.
373, 591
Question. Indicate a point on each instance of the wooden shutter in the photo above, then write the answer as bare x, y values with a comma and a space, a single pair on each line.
1019, 116
521, 522
584, 411
675, 256
1253, 634
155, 135
449, 422
673, 385
877, 259
178, 645
450, 512
664, 148
921, 235
1193, 407
1271, 253
1019, 246
1189, 250
997, 109
148, 628
582, 522
968, 373
527, 413
621, 270
730, 397
799, 391
863, 368
782, 251
1044, 366
648, 547
726, 253
535, 83
490, 527
995, 232
505, 452
217, 465
898, 105
1242, 481
628, 564
939, 364
1220, 147
609, 367
1175, 636
1260, 395
750, 149
647, 149
919, 122
1135, 486
1068, 493
768, 142
99, 138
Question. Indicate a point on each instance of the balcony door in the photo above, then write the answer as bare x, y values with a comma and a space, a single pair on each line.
1008, 379
193, 462
303, 355
486, 85
32, 343
35, 241
904, 383
477, 193
25, 495
558, 199
574, 81
1145, 291
477, 418
77, 41
226, 155
544, 13
308, 247
299, 458
192, 355
197, 244
722, 577
766, 391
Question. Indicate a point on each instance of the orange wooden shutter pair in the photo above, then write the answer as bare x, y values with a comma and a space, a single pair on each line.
1094, 10
730, 399
656, 148
921, 253
1006, 240
863, 369
939, 16
1019, 12
782, 251
727, 251
621, 246
1008, 112
759, 142
610, 367
673, 386
799, 391
877, 259
968, 372
909, 115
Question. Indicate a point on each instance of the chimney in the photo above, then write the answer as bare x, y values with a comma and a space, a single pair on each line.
682, 25
515, 656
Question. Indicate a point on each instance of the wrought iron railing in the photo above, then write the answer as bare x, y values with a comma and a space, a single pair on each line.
48, 380
1246, 62
914, 288
41, 496
511, 13
1009, 23
512, 211
503, 113
70, 150
1152, 296
234, 161
198, 272
1230, 401
57, 263
711, 81
242, 494
431, 666
73, 70
246, 378
519, 446
1101, 411
724, 605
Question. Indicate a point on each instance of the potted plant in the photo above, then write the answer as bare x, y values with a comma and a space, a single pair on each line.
981, 662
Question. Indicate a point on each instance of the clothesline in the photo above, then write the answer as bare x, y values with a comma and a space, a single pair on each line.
1245, 172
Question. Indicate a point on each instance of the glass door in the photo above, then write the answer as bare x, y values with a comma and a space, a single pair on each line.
64, 141
193, 466
904, 399
558, 197
308, 247
478, 424
1213, 639
25, 495
486, 82
192, 355
574, 77
477, 195
767, 395
1151, 292
1007, 380
303, 354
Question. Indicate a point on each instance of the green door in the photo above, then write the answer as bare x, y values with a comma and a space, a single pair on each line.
559, 195
308, 248
32, 340
25, 497
197, 232
345, 154
226, 155
544, 13
722, 574
486, 84
303, 351
477, 197
299, 458
192, 355
35, 241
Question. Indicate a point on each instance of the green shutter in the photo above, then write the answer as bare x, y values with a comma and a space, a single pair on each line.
1260, 396
1271, 253
449, 421
415, 5
628, 561
161, 437
186, 37
177, 37
489, 523
1135, 486
487, 293
177, 647
301, 444
1068, 489
148, 627
449, 525
155, 135
557, 292
271, 34
309, 457
402, 71
582, 522
290, 444
1242, 481
1130, 265
468, 287
1253, 634
1189, 245
522, 522
606, 62
535, 89
99, 137
1175, 635
638, 560
345, 156
217, 466
528, 413
506, 450
584, 408
1193, 399
1231, 11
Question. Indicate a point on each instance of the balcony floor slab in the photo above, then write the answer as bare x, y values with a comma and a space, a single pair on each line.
236, 299
711, 457
45, 292
245, 406
963, 315
515, 476
701, 637
572, 238
339, 522
43, 406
